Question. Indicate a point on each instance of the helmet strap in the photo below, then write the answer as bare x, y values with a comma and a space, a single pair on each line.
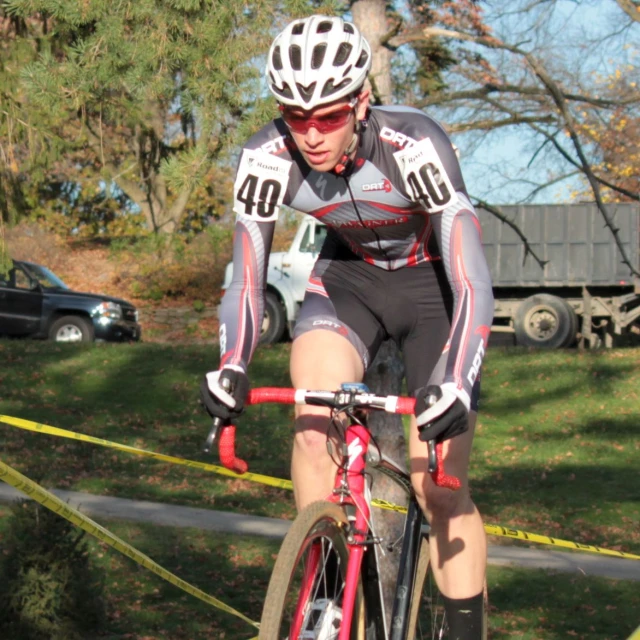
346, 162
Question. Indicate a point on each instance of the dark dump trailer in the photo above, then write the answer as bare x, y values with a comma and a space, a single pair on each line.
584, 292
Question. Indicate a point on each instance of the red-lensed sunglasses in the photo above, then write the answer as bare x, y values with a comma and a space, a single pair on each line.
325, 123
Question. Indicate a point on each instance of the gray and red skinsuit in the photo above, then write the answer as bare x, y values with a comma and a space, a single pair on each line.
400, 211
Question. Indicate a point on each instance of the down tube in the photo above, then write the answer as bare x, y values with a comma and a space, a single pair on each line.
357, 438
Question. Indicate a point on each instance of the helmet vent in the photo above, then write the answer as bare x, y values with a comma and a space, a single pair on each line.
362, 60
348, 28
342, 54
297, 29
317, 56
276, 59
285, 91
324, 27
306, 92
329, 88
295, 57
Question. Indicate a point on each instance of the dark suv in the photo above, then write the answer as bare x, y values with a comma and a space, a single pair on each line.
35, 302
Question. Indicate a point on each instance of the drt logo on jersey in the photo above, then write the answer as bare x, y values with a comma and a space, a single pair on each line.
385, 186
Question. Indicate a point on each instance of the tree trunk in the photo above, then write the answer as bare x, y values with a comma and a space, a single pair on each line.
385, 377
370, 17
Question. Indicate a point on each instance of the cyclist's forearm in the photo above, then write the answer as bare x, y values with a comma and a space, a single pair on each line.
242, 308
468, 274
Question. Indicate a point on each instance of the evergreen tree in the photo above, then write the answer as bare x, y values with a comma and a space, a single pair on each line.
146, 94
49, 590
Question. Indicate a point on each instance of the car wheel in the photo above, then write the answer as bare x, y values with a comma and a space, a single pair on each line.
71, 329
275, 320
545, 321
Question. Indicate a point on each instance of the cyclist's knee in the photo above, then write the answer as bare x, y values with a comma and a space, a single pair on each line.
444, 504
439, 502
310, 438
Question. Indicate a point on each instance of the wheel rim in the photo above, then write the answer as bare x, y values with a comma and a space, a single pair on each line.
428, 619
313, 609
541, 323
432, 624
69, 333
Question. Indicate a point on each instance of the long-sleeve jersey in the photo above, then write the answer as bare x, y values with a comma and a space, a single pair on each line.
403, 203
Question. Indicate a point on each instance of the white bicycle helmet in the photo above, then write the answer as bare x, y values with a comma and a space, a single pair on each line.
317, 60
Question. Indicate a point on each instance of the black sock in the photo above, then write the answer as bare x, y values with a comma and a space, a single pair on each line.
464, 616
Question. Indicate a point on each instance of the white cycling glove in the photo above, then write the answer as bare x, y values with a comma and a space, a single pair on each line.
441, 412
224, 392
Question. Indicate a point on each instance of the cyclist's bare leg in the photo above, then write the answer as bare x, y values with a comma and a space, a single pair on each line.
458, 544
320, 359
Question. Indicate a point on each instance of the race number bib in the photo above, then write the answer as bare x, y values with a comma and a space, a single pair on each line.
425, 176
260, 185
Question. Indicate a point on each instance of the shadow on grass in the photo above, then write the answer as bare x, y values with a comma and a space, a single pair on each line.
142, 395
235, 571
586, 503
561, 374
534, 605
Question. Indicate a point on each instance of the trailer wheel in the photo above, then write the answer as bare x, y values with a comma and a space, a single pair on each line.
545, 321
274, 323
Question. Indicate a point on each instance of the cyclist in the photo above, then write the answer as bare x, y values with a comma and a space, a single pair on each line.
403, 259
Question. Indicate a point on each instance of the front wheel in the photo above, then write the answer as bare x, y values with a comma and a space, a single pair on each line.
305, 594
427, 617
71, 329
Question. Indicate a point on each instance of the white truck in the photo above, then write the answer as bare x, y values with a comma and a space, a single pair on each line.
583, 293
287, 276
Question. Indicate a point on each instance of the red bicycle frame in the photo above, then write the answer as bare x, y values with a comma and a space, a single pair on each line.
350, 488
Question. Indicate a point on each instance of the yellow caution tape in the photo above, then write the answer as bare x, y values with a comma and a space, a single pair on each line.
491, 529
73, 435
52, 502
496, 530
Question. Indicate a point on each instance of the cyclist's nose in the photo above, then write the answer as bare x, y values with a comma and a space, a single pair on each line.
313, 137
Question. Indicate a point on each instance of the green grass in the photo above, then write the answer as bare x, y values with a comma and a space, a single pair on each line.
556, 453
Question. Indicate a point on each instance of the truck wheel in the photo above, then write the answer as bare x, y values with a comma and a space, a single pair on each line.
545, 321
71, 329
275, 319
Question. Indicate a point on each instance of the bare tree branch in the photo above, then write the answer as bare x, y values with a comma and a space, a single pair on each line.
487, 89
561, 104
488, 125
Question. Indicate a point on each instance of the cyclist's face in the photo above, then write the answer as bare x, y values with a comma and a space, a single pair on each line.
323, 134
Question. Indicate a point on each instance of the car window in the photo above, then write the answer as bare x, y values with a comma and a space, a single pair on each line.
321, 234
306, 246
23, 281
45, 277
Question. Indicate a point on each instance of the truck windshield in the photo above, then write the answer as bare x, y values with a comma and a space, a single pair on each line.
45, 277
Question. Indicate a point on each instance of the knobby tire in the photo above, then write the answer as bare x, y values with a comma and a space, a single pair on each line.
320, 526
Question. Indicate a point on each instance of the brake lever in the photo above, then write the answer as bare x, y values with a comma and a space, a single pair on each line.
213, 434
432, 456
